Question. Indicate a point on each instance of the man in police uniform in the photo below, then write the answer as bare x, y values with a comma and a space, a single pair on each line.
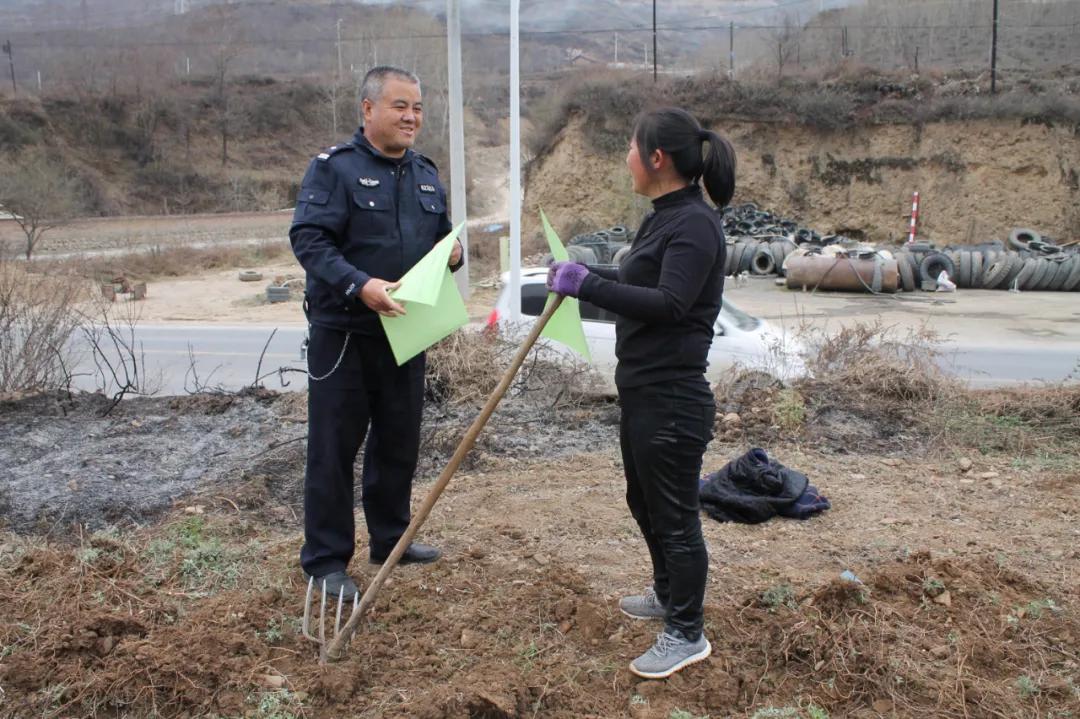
367, 211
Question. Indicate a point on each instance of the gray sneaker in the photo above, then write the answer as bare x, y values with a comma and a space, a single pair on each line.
643, 606
335, 583
671, 653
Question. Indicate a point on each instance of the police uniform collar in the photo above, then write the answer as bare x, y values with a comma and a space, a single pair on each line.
360, 140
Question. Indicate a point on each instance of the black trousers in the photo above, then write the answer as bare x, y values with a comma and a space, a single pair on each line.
663, 433
367, 390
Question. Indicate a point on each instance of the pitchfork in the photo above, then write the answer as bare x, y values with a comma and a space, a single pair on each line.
335, 648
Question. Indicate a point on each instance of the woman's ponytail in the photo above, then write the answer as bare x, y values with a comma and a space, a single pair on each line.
718, 170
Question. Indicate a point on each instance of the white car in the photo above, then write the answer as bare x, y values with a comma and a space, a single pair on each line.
740, 340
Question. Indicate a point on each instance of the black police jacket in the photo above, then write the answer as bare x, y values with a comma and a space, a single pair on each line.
362, 215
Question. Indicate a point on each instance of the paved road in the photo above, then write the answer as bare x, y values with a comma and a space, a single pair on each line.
224, 357
1003, 366
227, 357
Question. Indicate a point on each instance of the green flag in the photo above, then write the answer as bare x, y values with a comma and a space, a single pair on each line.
433, 305
565, 325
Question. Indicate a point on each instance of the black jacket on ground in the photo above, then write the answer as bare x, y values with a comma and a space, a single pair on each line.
751, 489
667, 292
360, 214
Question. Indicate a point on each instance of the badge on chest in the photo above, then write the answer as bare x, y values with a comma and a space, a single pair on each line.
430, 189
368, 181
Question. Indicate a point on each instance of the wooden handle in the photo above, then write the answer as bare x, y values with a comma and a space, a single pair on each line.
335, 650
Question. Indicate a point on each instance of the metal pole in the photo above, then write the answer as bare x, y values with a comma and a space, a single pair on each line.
731, 52
993, 52
515, 161
339, 63
458, 210
654, 40
11, 60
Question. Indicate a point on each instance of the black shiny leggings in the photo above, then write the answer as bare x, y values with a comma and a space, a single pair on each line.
663, 433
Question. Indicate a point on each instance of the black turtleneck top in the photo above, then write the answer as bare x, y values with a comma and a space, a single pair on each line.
666, 293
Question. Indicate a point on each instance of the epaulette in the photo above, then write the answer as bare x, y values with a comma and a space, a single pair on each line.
424, 158
331, 151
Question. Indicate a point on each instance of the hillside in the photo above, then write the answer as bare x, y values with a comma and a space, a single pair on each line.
843, 155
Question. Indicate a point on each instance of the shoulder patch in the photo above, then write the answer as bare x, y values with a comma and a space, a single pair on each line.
331, 151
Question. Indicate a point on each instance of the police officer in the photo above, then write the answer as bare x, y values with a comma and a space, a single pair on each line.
367, 211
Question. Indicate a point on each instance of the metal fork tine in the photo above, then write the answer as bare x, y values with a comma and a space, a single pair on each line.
306, 626
337, 619
322, 616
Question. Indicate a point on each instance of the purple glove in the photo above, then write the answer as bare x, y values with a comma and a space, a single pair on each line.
565, 278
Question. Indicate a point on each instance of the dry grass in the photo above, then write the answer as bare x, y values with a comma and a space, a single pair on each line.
159, 261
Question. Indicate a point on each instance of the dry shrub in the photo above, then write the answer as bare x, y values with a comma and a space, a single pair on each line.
872, 363
161, 261
869, 382
37, 318
610, 100
465, 368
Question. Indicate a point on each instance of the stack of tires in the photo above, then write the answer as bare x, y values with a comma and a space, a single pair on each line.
758, 257
602, 247
1029, 262
758, 242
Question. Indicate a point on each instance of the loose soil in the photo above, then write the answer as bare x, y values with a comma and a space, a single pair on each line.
190, 607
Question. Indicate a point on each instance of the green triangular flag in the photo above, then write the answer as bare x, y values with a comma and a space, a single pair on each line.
434, 306
565, 325
422, 283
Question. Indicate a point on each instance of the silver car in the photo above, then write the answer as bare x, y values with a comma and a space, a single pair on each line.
740, 341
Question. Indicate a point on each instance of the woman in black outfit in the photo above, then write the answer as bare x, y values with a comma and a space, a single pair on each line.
667, 294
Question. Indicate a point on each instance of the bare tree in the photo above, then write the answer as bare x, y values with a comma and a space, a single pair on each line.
40, 193
787, 39
222, 59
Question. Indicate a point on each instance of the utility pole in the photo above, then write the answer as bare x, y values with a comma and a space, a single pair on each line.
654, 40
515, 160
993, 52
731, 51
11, 60
458, 209
339, 63
616, 48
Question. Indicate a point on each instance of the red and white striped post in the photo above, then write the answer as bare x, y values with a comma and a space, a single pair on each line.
914, 218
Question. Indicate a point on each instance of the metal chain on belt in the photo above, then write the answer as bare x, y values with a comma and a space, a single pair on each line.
337, 364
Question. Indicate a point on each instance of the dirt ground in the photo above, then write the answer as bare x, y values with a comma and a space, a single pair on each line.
189, 606
167, 533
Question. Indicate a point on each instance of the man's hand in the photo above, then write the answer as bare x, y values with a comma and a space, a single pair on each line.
455, 254
376, 294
